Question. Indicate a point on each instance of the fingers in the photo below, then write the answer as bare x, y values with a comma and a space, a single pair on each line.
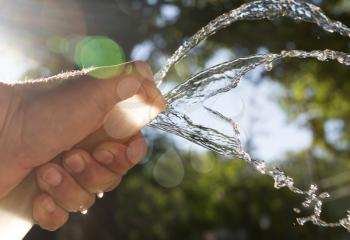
103, 171
47, 213
88, 173
61, 186
75, 109
73, 187
137, 148
120, 158
132, 114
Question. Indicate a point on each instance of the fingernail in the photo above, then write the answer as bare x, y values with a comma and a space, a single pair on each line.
104, 156
49, 205
144, 70
134, 151
52, 177
75, 163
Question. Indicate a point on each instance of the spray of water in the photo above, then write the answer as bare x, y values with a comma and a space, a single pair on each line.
256, 10
224, 77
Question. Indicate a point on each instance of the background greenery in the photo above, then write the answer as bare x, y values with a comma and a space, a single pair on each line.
231, 201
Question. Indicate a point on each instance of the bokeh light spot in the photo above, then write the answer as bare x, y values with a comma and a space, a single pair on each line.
57, 44
203, 164
169, 170
98, 52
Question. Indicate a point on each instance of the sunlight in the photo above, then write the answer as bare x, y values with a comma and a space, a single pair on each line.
13, 63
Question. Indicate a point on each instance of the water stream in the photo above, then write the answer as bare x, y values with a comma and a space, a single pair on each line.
194, 93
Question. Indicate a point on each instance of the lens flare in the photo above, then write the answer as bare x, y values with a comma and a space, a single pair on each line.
98, 52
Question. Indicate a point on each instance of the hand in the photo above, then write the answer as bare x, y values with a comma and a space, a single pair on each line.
81, 176
40, 120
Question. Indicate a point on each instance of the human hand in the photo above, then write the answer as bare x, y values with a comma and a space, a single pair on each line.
39, 124
81, 177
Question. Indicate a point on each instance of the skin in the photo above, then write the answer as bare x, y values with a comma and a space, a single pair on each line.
50, 117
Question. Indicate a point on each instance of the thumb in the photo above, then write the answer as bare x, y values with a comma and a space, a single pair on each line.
62, 110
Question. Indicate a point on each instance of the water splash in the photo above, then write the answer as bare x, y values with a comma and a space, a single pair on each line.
226, 76
256, 10
223, 78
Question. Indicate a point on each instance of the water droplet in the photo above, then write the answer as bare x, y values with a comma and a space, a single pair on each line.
260, 166
322, 57
284, 53
100, 194
83, 211
306, 204
301, 221
313, 189
297, 210
340, 60
330, 30
269, 66
324, 195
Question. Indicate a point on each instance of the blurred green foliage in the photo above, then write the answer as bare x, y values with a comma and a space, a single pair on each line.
231, 201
